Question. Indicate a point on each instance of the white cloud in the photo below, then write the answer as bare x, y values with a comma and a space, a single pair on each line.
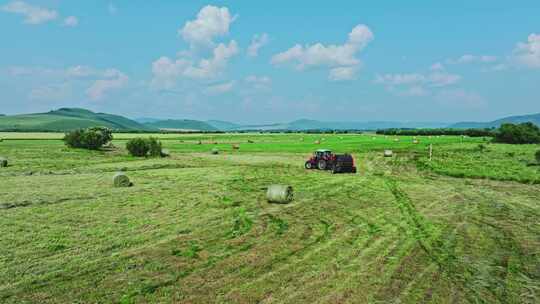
257, 42
32, 14
211, 22
259, 82
167, 71
113, 79
220, 88
528, 53
343, 73
209, 68
71, 21
333, 56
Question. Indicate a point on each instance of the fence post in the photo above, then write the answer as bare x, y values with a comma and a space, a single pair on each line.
430, 151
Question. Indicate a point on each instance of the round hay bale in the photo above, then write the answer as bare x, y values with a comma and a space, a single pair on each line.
281, 194
199, 142
236, 147
250, 141
416, 141
120, 179
388, 153
165, 153
3, 162
215, 151
317, 142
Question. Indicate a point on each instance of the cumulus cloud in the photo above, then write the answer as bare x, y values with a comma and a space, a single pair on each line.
71, 21
257, 42
528, 53
32, 14
113, 79
221, 88
332, 56
167, 71
343, 73
211, 22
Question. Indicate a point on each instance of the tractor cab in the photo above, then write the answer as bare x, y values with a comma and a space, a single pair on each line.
322, 154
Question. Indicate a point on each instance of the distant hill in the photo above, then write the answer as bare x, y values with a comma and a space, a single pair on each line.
305, 124
534, 118
66, 119
223, 125
183, 124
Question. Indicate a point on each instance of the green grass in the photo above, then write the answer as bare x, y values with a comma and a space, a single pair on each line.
196, 228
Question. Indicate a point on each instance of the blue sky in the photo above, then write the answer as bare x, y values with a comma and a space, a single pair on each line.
254, 62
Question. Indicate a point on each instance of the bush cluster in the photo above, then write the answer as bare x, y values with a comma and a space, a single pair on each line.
524, 133
90, 138
143, 147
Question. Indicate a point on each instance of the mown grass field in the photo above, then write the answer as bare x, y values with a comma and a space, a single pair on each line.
196, 228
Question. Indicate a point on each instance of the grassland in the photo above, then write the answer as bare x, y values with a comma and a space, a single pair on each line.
196, 228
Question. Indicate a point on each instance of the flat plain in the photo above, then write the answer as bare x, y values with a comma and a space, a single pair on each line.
196, 227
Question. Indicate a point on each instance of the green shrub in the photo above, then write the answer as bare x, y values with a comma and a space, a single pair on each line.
142, 147
524, 133
90, 138
154, 147
537, 156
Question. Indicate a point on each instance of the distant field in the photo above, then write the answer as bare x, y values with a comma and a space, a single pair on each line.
196, 228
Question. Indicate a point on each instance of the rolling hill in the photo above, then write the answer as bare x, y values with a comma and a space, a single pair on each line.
534, 118
181, 124
66, 119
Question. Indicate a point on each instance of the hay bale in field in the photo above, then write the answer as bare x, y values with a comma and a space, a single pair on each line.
415, 141
396, 139
199, 142
3, 162
281, 194
120, 179
165, 153
317, 142
215, 151
388, 153
236, 147
250, 141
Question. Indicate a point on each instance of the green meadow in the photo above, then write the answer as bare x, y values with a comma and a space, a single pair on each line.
196, 228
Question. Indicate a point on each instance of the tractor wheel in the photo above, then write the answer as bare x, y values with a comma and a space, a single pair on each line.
308, 165
321, 164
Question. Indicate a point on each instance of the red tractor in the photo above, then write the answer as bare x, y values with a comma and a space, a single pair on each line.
326, 160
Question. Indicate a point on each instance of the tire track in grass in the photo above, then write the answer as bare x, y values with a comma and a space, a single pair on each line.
348, 259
